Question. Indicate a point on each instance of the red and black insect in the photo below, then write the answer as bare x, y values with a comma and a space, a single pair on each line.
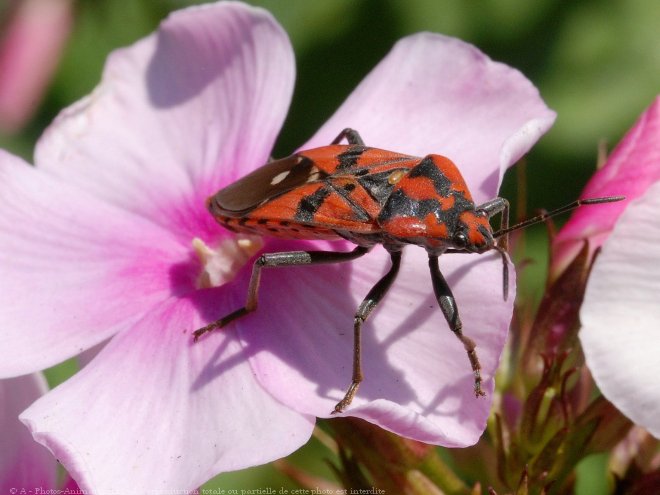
368, 196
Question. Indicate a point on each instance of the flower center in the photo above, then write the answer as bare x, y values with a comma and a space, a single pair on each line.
220, 263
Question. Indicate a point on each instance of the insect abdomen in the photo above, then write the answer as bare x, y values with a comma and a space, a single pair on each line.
283, 228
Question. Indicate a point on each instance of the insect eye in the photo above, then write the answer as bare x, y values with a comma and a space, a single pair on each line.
460, 240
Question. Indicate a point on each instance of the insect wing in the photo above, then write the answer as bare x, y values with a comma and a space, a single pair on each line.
363, 177
267, 182
357, 160
312, 193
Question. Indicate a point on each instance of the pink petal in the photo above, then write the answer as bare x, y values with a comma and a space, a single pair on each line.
629, 171
29, 51
23, 462
89, 269
621, 315
75, 270
418, 381
155, 410
435, 94
178, 114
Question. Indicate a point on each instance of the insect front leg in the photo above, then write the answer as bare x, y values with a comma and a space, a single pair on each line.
374, 296
274, 260
492, 208
351, 135
448, 306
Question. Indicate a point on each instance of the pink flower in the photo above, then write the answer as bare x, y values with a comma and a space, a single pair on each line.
30, 47
620, 314
629, 171
24, 464
108, 238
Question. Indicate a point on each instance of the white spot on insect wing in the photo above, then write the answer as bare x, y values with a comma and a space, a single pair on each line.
279, 177
314, 174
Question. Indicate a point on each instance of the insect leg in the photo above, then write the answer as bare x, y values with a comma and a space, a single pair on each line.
291, 258
492, 208
450, 310
351, 135
374, 296
495, 206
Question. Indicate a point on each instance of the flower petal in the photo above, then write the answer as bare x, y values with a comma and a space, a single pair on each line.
178, 114
75, 270
418, 381
621, 316
631, 168
171, 412
435, 94
23, 462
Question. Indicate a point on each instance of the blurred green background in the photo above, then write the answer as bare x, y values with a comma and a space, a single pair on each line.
596, 62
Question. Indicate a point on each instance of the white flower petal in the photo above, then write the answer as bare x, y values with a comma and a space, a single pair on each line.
621, 314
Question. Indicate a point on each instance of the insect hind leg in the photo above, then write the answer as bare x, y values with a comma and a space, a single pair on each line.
274, 260
351, 135
449, 309
374, 296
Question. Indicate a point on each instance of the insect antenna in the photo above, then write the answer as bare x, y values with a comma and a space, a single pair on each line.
563, 209
538, 219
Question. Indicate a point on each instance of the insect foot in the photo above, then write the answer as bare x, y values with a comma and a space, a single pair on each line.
219, 324
348, 398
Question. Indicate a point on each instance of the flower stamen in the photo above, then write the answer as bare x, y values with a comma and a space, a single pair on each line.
221, 263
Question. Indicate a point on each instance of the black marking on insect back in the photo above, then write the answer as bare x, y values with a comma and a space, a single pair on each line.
378, 186
349, 158
399, 204
451, 217
428, 169
345, 192
310, 204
